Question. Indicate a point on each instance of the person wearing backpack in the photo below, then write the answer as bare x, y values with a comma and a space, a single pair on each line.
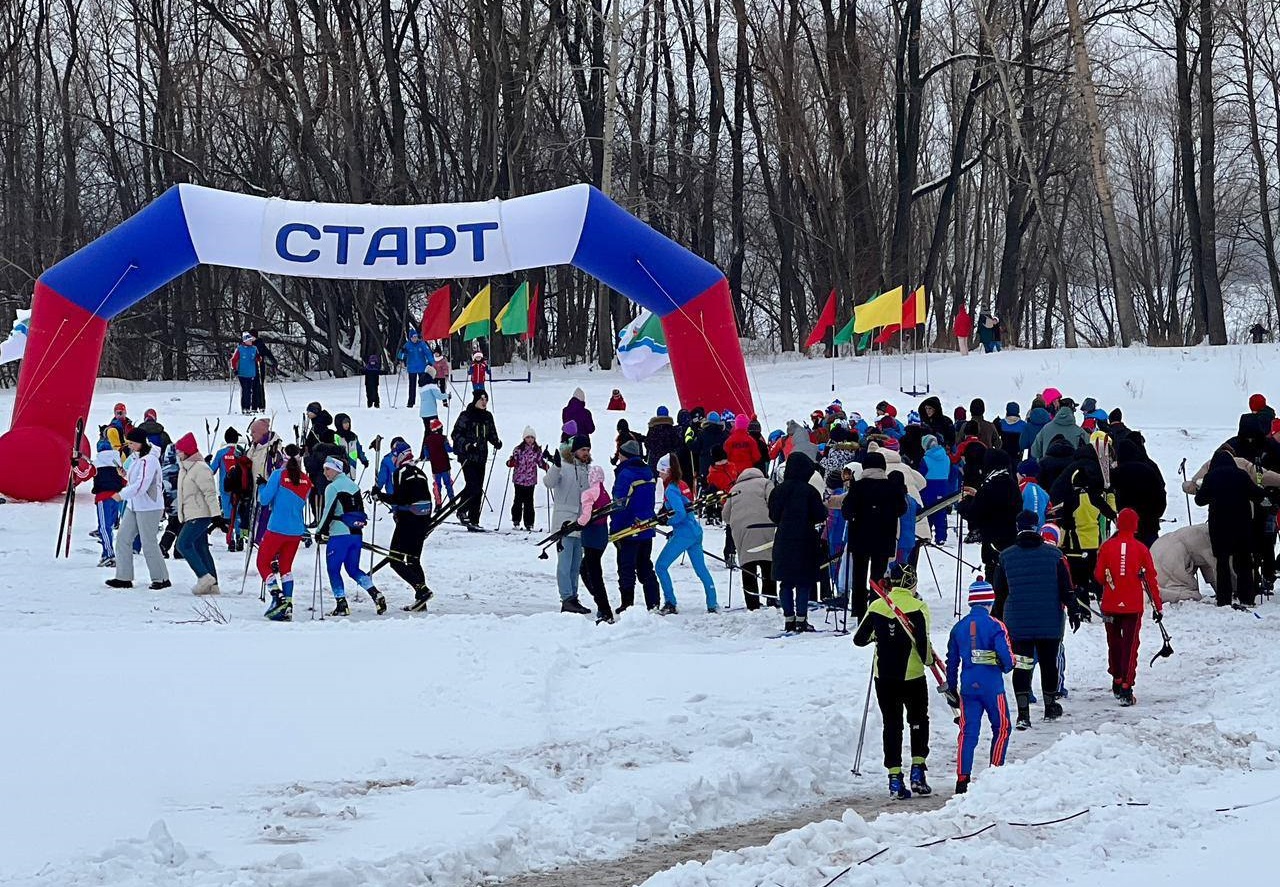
411, 509
221, 465
340, 531
235, 469
344, 437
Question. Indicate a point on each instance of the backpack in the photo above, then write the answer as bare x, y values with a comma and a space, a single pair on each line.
236, 472
353, 513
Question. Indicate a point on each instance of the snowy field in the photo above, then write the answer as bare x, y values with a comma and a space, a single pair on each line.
494, 736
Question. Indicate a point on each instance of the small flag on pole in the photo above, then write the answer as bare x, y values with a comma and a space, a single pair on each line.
826, 320
513, 319
533, 312
475, 317
435, 320
883, 310
642, 347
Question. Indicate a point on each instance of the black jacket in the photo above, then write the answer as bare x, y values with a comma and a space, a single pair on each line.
663, 437
796, 508
939, 425
472, 435
872, 507
1231, 495
1056, 459
1138, 484
993, 509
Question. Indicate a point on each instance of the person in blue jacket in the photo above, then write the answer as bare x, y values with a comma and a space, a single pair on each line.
244, 363
285, 493
936, 468
1034, 497
978, 658
1036, 420
686, 538
340, 531
416, 357
635, 484
385, 482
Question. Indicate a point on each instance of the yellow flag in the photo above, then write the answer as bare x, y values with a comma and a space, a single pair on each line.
477, 311
883, 310
921, 304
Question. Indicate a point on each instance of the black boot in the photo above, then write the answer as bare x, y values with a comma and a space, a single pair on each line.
1052, 708
573, 605
379, 600
422, 594
341, 607
919, 784
962, 785
1024, 711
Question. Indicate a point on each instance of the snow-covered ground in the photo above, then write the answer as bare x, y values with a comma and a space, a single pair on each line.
494, 735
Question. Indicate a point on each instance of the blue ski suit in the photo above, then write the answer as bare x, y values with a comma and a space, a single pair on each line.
978, 658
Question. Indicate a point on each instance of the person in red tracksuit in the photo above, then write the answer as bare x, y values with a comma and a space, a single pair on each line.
1124, 564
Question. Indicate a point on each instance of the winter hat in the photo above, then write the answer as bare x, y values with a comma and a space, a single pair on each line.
874, 460
717, 453
913, 417
136, 436
528, 432
1090, 404
631, 449
477, 356
1067, 402
775, 435
1027, 520
186, 445
960, 415
119, 408
839, 433
663, 412
713, 418
890, 443
981, 592
1050, 395
246, 337
1011, 409
334, 464
1115, 416
580, 395
314, 408
978, 408
403, 457
398, 447
1089, 424
434, 425
570, 428
231, 436
885, 407
579, 442
1029, 467
1256, 402
103, 444
741, 421
664, 464
855, 417
1275, 426
901, 575
1052, 534
595, 475
149, 416
929, 441
414, 334
835, 479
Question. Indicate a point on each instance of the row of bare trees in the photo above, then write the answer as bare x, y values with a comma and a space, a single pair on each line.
1094, 172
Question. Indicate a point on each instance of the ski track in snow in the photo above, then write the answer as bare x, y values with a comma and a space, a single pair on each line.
494, 736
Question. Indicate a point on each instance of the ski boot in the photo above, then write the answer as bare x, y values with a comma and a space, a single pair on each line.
897, 788
1115, 688
421, 595
1125, 697
790, 626
713, 609
1052, 709
962, 785
573, 605
379, 600
341, 607
919, 784
802, 626
604, 617
107, 562
1024, 711
281, 609
668, 610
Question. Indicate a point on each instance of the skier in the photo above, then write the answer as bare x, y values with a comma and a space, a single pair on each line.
230, 481
442, 368
286, 494
595, 539
1009, 430
385, 479
795, 509
198, 511
1137, 484
108, 480
992, 509
524, 462
473, 434
156, 435
319, 444
340, 531
1033, 586
429, 410
978, 657
478, 371
244, 363
437, 451
686, 538
936, 468
410, 503
120, 423
372, 381
576, 411
568, 479
350, 443
1080, 506
743, 450
266, 359
635, 486
899, 673
264, 458
169, 471
1034, 497
1124, 568
415, 355
746, 515
143, 498
872, 507
1232, 497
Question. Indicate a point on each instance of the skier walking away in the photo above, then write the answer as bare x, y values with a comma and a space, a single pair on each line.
410, 504
286, 494
796, 509
1009, 430
228, 477
872, 507
429, 411
372, 380
595, 539
1082, 506
347, 439
266, 360
436, 452
340, 531
1138, 484
143, 498
899, 673
744, 450
569, 478
978, 658
524, 462
1033, 587
992, 509
478, 371
1034, 497
442, 368
244, 363
1232, 497
1063, 426
198, 511
746, 514
636, 485
686, 538
936, 468
415, 355
156, 435
1123, 565
108, 480
473, 434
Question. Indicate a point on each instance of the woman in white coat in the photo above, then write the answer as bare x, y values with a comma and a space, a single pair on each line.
143, 498
199, 511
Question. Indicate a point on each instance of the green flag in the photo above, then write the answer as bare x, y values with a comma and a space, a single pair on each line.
513, 319
845, 336
473, 331
864, 341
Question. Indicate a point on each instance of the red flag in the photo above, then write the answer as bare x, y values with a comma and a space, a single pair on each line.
909, 311
533, 314
435, 320
886, 334
826, 320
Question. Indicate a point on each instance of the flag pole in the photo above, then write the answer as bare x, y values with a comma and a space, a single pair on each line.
833, 358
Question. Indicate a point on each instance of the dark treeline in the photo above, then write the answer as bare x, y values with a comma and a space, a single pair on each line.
1093, 172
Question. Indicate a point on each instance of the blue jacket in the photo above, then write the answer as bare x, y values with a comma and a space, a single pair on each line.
246, 362
386, 479
416, 356
1034, 498
682, 521
907, 526
982, 634
287, 502
636, 484
432, 397
1036, 419
937, 464
1034, 584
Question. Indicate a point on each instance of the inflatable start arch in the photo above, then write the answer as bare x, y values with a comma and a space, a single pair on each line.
190, 225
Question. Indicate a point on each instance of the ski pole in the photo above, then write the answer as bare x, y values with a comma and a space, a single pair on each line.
315, 587
283, 396
866, 710
485, 489
503, 506
1183, 469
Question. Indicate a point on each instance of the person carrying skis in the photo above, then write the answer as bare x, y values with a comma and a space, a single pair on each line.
108, 479
568, 479
898, 669
1033, 586
415, 355
244, 363
473, 434
1232, 497
685, 538
524, 462
872, 507
340, 531
410, 502
1127, 574
199, 511
635, 485
286, 494
796, 509
595, 539
344, 437
978, 658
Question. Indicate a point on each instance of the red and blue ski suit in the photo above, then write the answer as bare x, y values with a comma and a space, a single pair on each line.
978, 657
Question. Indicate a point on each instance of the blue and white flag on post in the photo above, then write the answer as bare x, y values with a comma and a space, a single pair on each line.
642, 347
13, 347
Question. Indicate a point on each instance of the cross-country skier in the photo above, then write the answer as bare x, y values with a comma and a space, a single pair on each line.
244, 363
108, 480
636, 486
595, 539
410, 502
478, 371
978, 658
415, 355
429, 411
685, 538
372, 370
796, 509
899, 673
1123, 565
286, 494
436, 452
385, 479
340, 530
473, 434
266, 361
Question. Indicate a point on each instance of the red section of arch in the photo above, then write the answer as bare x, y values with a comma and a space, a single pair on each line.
706, 356
55, 385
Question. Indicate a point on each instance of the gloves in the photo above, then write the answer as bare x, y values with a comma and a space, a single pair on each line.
949, 693
322, 538
219, 523
731, 560
306, 540
555, 457
1073, 618
498, 445
1189, 487
1158, 616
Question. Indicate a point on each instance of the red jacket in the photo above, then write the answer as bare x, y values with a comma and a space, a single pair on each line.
742, 450
1120, 559
616, 403
963, 326
722, 475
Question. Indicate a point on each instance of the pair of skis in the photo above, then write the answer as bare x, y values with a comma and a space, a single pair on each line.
935, 667
716, 498
69, 500
390, 555
572, 527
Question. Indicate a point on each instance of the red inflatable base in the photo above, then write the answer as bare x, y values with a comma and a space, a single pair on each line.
706, 356
55, 387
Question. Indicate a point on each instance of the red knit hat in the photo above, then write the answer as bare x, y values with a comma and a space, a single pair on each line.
1256, 402
186, 445
150, 415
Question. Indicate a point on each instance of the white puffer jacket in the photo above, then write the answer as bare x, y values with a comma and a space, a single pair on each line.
197, 490
144, 490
